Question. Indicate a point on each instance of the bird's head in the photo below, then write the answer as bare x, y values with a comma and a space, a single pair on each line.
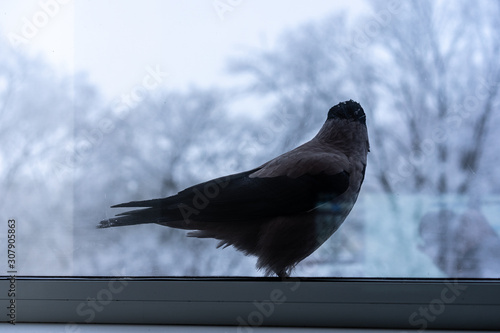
349, 110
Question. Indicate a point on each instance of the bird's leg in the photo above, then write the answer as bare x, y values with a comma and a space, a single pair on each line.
283, 274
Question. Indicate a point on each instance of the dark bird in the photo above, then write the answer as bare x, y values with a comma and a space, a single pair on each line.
281, 211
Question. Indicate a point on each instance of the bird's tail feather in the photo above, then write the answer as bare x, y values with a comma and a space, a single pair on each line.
143, 203
122, 221
154, 214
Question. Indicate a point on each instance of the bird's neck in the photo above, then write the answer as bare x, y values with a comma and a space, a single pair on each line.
344, 135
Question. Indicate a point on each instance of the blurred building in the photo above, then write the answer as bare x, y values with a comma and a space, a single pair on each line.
461, 245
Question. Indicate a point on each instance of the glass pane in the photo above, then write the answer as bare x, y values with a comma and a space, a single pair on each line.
103, 103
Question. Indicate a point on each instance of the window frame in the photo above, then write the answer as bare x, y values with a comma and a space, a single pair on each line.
249, 302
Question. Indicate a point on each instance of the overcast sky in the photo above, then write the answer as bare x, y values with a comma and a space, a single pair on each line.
116, 41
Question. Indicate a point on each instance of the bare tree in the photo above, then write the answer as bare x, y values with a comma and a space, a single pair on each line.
424, 71
442, 74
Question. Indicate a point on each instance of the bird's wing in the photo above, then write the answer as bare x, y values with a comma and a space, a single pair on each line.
248, 196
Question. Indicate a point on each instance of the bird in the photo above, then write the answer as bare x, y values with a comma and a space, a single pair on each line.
281, 211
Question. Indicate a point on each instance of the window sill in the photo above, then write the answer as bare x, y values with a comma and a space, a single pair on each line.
255, 302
